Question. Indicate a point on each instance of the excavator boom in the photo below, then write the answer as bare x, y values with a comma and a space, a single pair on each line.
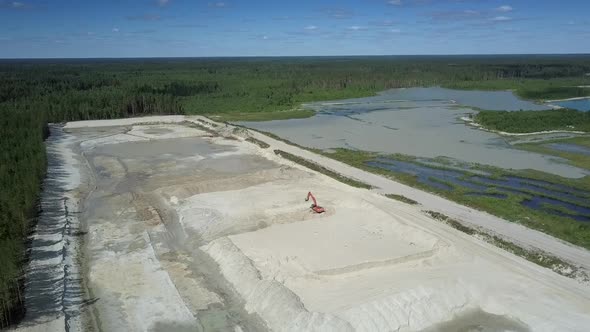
309, 194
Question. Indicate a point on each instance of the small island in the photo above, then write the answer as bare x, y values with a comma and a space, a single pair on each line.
532, 121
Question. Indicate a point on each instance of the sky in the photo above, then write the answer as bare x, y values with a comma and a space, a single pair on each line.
194, 28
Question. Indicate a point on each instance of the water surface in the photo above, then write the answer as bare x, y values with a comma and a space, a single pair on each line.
571, 148
552, 198
578, 104
421, 122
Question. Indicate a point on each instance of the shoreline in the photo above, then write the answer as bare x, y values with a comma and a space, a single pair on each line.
566, 99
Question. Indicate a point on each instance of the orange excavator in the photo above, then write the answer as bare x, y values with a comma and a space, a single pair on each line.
315, 207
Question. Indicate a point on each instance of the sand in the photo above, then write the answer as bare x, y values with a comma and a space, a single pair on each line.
386, 267
186, 231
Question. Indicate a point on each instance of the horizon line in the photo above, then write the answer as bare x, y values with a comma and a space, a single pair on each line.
294, 56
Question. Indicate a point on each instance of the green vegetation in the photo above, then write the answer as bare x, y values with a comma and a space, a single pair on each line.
534, 121
452, 222
402, 198
22, 167
264, 116
576, 159
509, 208
536, 256
33, 93
313, 166
258, 142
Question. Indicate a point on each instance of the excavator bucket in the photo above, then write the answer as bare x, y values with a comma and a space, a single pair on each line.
318, 209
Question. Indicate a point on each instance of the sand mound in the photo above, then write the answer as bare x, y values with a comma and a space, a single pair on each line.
277, 305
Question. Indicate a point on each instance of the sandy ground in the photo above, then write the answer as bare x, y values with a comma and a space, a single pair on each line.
188, 231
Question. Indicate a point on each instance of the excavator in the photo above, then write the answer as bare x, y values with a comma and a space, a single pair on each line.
314, 207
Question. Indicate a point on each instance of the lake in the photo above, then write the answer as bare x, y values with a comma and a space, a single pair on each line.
420, 122
578, 104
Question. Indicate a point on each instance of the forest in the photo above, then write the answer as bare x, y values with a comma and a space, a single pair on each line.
36, 92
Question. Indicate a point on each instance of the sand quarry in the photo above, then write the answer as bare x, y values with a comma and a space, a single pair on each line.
193, 230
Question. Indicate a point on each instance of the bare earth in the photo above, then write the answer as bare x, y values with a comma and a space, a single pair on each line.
192, 231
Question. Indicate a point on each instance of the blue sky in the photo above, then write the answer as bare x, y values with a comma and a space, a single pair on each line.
170, 28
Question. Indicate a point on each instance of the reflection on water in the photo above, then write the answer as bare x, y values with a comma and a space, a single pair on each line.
420, 122
579, 104
571, 148
488, 100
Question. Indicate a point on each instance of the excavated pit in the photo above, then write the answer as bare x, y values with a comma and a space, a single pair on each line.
186, 229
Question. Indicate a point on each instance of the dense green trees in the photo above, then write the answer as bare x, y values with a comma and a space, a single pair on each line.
33, 93
534, 121
22, 165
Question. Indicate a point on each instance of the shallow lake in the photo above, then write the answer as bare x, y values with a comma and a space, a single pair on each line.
420, 122
571, 148
578, 104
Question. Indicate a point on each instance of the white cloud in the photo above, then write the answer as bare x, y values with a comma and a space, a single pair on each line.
395, 2
395, 31
265, 37
218, 4
504, 9
356, 28
13, 5
501, 19
163, 3
115, 29
311, 27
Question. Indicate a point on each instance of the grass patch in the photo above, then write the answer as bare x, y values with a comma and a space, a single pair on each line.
402, 198
263, 116
200, 127
323, 170
451, 222
535, 256
258, 142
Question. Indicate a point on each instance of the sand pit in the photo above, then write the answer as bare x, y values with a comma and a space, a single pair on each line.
189, 230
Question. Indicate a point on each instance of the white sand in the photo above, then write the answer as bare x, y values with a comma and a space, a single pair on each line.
136, 280
368, 264
368, 269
